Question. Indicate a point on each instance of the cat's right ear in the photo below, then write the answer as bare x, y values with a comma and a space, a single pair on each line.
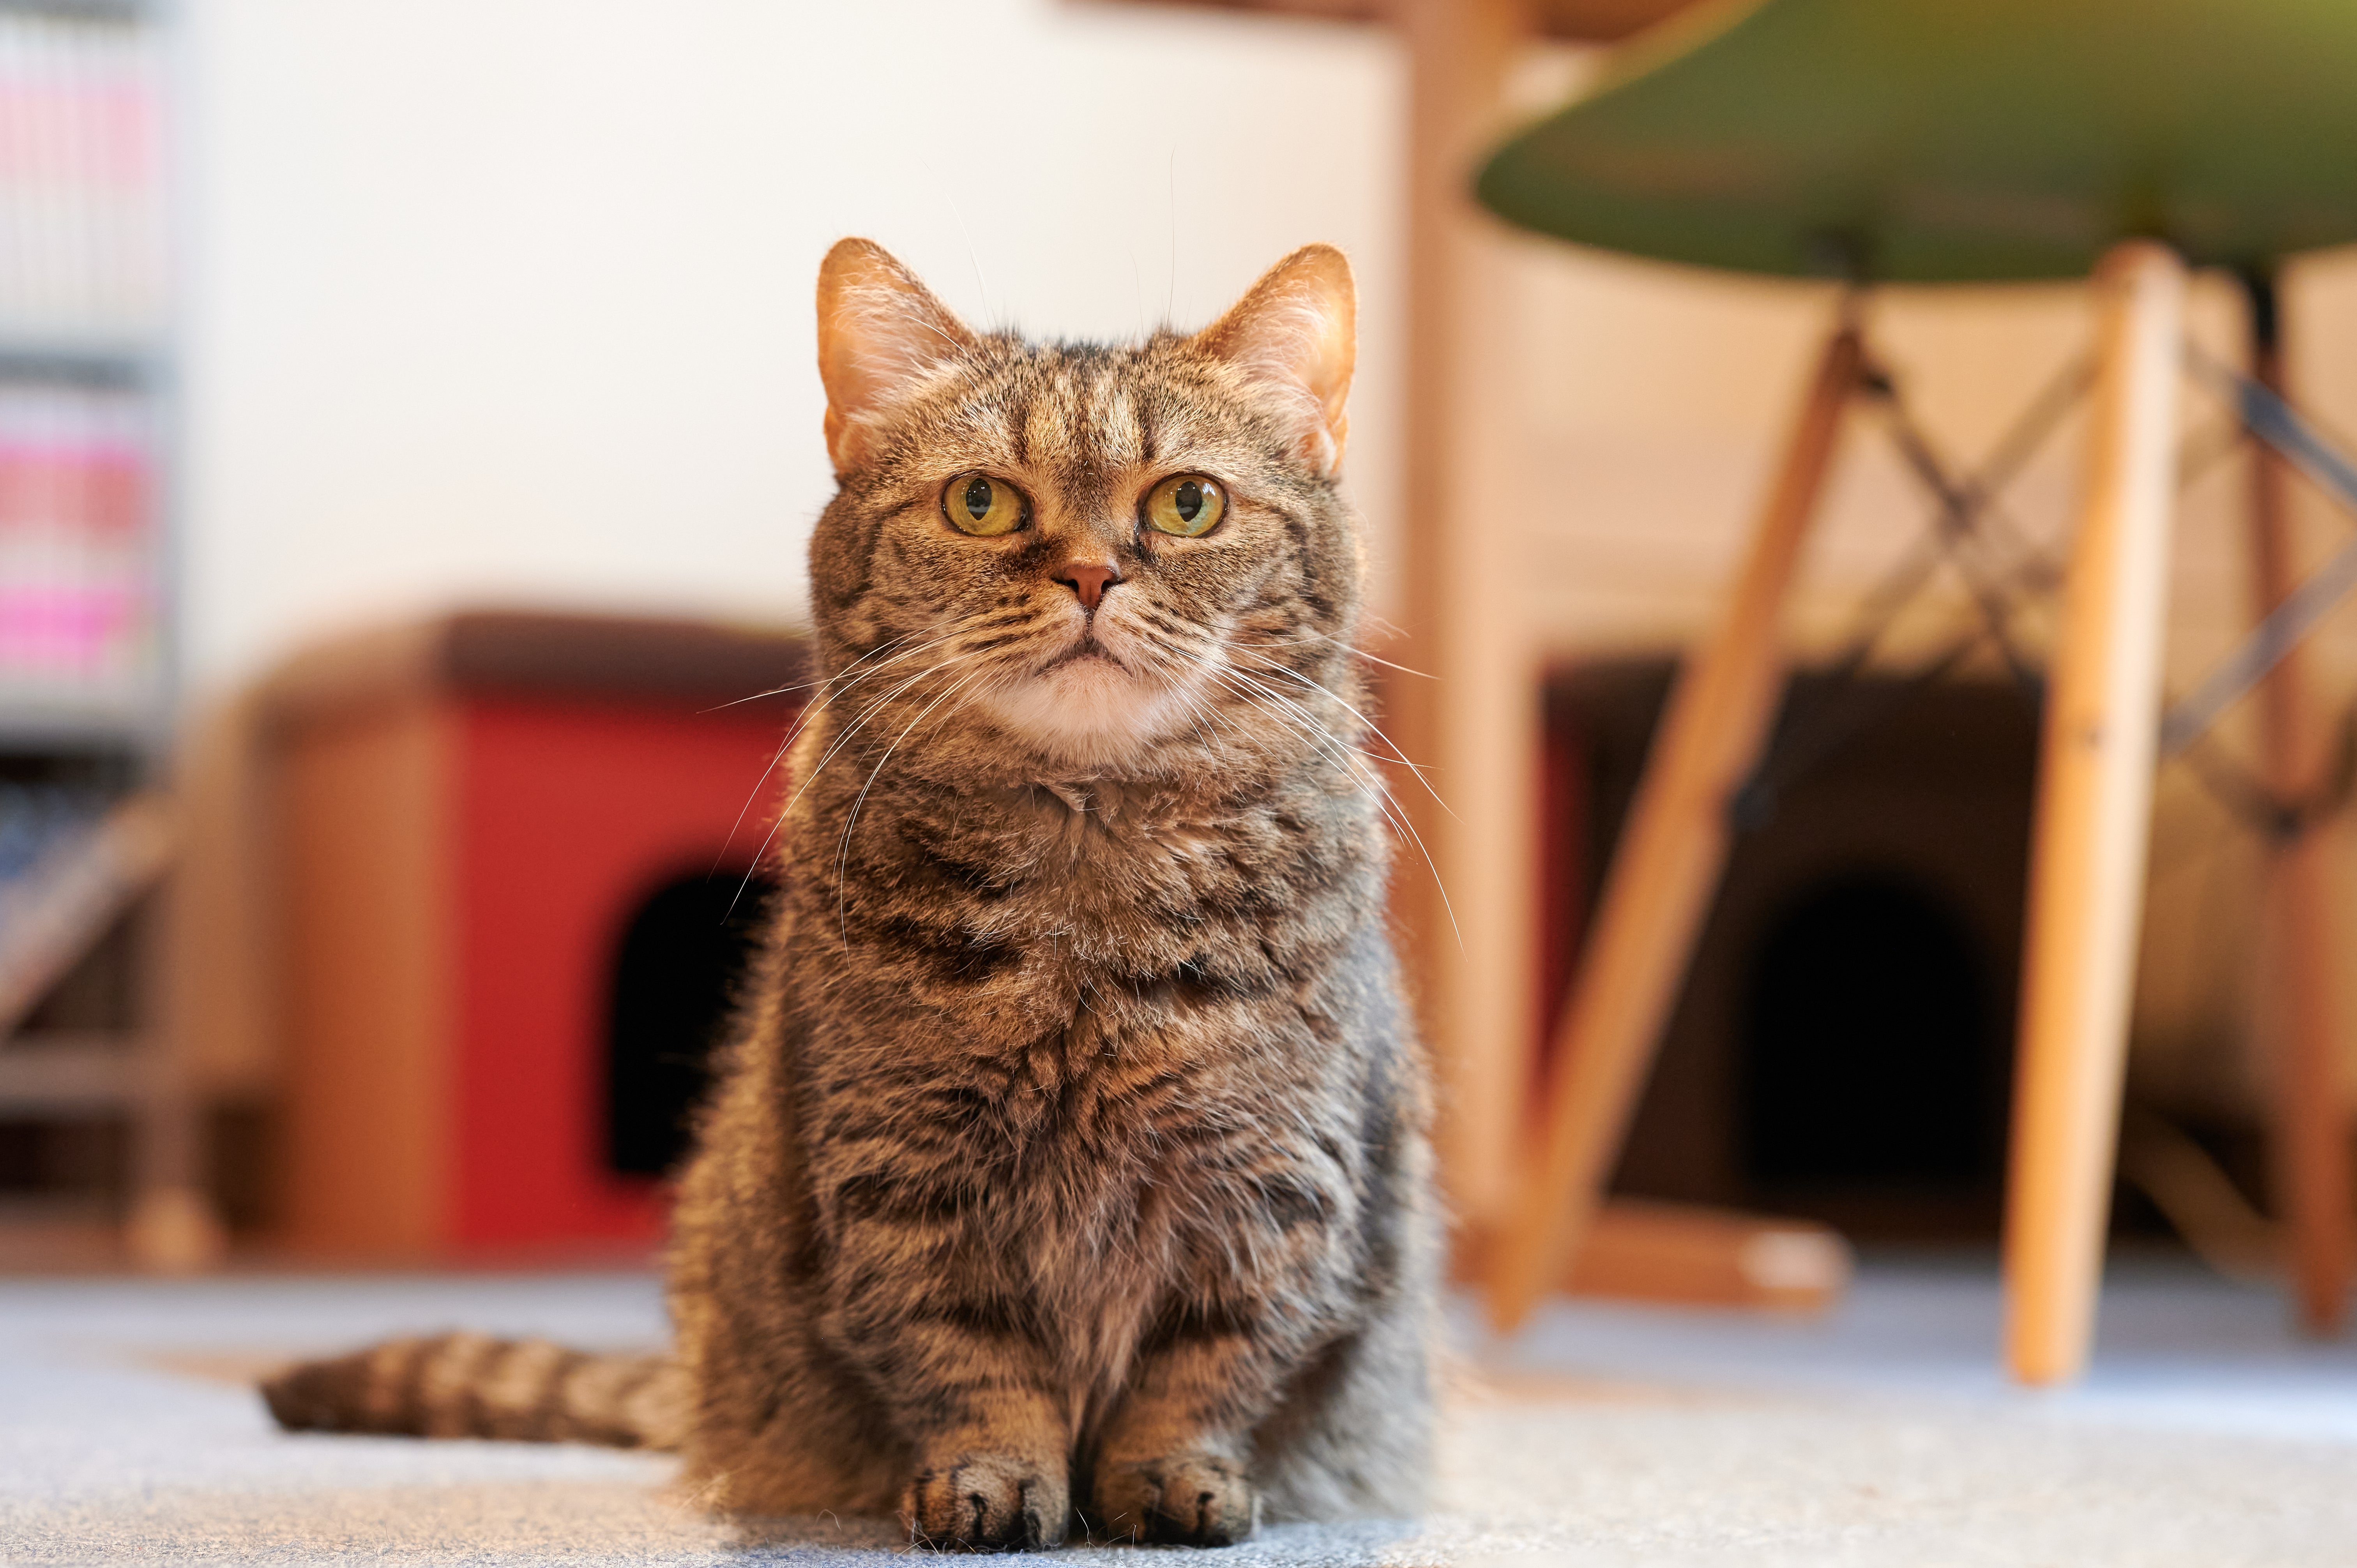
1297, 330
879, 330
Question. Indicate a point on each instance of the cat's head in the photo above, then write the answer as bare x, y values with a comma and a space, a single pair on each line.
1093, 548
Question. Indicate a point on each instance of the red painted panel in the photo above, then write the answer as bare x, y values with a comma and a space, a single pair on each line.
569, 814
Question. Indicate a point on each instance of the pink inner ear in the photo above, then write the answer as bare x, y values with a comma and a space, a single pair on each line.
1296, 328
880, 331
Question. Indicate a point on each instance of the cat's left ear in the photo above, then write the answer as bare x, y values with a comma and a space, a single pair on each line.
879, 330
1296, 330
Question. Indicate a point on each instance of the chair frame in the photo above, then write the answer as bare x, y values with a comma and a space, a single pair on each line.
2087, 870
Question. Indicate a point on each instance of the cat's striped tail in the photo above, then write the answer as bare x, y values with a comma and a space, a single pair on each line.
469, 1385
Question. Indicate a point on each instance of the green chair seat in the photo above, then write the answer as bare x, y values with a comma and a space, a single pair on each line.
1953, 141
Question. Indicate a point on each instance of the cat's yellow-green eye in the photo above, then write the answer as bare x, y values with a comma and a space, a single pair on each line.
1186, 505
979, 504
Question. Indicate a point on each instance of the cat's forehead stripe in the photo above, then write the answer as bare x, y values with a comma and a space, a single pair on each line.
1061, 406
1046, 428
1119, 420
1015, 401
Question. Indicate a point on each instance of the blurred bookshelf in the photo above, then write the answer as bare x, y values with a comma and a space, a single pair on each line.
90, 1121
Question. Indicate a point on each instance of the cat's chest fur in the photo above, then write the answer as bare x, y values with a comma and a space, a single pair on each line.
1011, 915
1064, 1006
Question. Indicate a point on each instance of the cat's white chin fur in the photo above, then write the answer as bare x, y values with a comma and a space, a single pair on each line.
1088, 712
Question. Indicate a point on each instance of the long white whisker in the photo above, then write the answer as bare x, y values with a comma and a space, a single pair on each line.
808, 712
869, 712
824, 680
1372, 728
1356, 652
1276, 695
1308, 725
839, 742
1396, 814
1386, 802
843, 848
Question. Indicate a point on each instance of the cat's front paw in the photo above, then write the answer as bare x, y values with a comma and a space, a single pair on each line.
1187, 1500
987, 1502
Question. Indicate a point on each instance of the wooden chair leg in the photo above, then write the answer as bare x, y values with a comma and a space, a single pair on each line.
2311, 1131
2095, 801
1663, 874
1475, 724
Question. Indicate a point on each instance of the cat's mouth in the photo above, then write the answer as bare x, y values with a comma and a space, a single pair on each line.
1087, 706
1087, 649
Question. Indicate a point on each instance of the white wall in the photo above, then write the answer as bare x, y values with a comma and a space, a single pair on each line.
509, 299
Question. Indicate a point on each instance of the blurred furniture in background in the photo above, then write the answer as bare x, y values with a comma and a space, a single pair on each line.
97, 1122
1941, 141
1687, 1254
506, 859
1873, 893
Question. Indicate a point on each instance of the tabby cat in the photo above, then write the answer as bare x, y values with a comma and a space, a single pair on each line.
1068, 1169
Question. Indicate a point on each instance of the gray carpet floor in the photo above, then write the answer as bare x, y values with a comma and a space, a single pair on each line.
1880, 1435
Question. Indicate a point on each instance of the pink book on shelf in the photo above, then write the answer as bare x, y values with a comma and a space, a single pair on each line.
74, 563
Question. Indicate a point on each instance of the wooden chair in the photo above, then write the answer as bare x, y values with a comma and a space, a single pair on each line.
1951, 141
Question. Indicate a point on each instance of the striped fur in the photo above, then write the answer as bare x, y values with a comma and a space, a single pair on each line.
1070, 1167
469, 1385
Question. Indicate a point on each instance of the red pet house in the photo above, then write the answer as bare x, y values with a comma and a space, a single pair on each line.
508, 849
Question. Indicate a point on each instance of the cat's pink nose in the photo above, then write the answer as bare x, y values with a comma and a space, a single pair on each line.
1089, 579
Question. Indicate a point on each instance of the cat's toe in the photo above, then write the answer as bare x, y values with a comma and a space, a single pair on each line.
985, 1502
1187, 1500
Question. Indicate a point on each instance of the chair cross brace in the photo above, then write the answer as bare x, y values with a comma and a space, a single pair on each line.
2277, 423
1963, 503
